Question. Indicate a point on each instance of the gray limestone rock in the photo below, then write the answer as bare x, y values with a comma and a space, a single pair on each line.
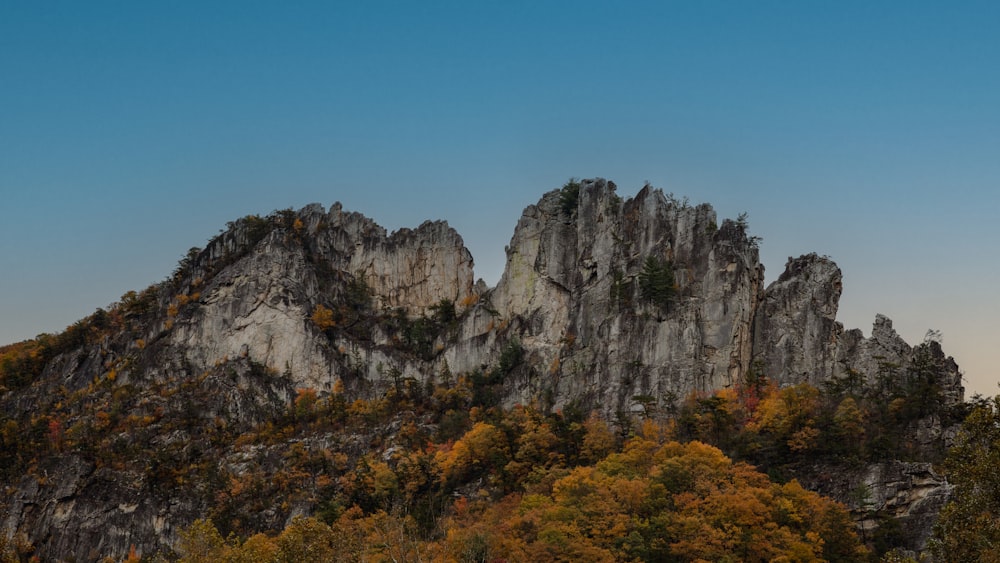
907, 495
571, 296
798, 339
796, 331
571, 285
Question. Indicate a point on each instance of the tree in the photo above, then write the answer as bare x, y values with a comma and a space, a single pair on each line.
55, 434
785, 419
481, 449
569, 196
969, 526
443, 312
200, 543
656, 501
598, 439
306, 539
717, 419
848, 427
323, 318
133, 555
656, 282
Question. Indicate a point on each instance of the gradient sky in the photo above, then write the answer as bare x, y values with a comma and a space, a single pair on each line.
866, 131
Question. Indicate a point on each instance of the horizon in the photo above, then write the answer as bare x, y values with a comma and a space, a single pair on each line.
867, 133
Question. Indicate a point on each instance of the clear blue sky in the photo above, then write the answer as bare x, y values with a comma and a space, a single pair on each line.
867, 131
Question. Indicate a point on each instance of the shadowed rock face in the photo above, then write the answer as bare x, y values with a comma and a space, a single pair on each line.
571, 295
912, 493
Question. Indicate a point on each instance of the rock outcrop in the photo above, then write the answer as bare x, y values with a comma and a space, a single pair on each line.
572, 289
895, 500
259, 307
798, 339
623, 306
796, 330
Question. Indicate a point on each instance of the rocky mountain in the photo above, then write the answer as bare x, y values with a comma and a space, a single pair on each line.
135, 421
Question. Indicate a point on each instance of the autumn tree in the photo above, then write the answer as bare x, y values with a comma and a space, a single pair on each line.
306, 539
55, 434
657, 501
785, 421
305, 403
200, 543
848, 429
598, 439
482, 449
323, 318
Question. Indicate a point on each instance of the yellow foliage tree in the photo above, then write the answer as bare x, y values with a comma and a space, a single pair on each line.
653, 501
482, 447
598, 440
323, 318
201, 543
789, 415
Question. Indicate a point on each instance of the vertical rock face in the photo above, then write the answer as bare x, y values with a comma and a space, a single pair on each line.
229, 338
411, 268
570, 295
90, 513
797, 339
796, 332
571, 286
886, 355
417, 268
259, 306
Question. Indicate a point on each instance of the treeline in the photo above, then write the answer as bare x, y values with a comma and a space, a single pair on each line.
649, 499
23, 362
849, 420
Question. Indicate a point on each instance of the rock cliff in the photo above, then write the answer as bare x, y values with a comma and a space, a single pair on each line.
624, 306
259, 306
571, 288
894, 500
797, 337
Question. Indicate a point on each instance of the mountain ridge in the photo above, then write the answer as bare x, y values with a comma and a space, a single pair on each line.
621, 306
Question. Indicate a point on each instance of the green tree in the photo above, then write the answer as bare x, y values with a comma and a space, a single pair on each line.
569, 196
656, 282
969, 526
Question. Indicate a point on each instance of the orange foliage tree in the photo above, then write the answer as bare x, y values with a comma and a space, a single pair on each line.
653, 501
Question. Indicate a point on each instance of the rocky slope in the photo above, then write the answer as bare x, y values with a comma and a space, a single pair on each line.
328, 300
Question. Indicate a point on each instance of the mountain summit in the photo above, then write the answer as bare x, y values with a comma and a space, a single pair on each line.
121, 431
